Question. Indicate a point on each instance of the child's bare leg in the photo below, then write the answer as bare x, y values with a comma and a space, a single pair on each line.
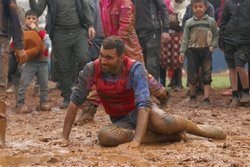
233, 79
207, 89
243, 77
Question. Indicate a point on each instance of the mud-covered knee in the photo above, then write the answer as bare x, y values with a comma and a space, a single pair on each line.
113, 136
173, 124
165, 124
105, 136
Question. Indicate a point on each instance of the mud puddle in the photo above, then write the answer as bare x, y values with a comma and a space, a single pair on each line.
7, 160
32, 139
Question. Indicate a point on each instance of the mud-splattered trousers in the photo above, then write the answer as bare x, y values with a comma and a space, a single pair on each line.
199, 58
162, 127
4, 65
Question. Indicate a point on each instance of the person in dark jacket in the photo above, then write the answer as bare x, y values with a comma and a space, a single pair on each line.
8, 19
67, 25
151, 24
235, 42
216, 4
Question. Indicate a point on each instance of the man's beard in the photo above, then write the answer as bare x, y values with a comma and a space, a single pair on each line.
110, 69
106, 69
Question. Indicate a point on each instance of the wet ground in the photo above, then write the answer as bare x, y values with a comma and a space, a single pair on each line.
32, 139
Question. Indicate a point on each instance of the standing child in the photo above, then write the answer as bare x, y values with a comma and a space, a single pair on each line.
199, 40
36, 66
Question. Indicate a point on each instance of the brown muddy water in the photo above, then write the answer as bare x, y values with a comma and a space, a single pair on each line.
32, 139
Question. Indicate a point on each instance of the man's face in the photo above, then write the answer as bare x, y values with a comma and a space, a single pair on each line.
110, 61
199, 9
31, 21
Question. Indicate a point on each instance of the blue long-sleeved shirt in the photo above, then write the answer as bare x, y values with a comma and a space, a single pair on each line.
137, 80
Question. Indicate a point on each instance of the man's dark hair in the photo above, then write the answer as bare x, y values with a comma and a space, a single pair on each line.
30, 13
114, 42
196, 1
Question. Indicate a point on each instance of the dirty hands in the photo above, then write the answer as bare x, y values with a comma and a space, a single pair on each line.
21, 56
165, 37
91, 32
130, 145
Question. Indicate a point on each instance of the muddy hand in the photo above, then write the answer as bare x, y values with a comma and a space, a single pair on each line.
165, 37
130, 145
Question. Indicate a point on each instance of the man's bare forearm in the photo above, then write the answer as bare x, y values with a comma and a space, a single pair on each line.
142, 123
69, 119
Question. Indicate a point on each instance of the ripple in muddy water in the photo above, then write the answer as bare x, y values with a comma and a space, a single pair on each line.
138, 162
17, 161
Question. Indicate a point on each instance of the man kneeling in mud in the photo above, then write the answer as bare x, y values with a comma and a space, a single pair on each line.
123, 87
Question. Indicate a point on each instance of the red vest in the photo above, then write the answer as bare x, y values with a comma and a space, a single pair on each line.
118, 99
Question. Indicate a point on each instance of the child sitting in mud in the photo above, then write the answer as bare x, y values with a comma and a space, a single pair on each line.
200, 38
36, 65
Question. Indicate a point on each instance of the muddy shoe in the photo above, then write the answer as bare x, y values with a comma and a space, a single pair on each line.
206, 102
22, 109
235, 102
44, 106
245, 98
87, 114
11, 89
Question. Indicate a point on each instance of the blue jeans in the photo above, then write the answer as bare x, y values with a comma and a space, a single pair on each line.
32, 69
